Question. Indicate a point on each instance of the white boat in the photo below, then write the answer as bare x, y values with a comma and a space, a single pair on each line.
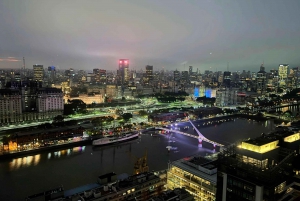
115, 139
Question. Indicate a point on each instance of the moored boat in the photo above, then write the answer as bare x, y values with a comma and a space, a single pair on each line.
115, 139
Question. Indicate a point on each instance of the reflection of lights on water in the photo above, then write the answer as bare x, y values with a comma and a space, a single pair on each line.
19, 162
37, 159
55, 153
58, 154
83, 148
29, 160
69, 152
24, 161
77, 149
49, 155
63, 152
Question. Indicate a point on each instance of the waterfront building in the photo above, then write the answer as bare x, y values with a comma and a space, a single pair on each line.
174, 195
167, 116
258, 169
112, 187
37, 103
10, 106
197, 175
50, 103
38, 73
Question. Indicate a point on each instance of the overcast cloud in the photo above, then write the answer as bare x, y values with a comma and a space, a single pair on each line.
165, 33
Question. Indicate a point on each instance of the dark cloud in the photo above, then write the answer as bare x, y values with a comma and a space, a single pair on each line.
203, 33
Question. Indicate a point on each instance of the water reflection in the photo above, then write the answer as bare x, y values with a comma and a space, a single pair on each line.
34, 160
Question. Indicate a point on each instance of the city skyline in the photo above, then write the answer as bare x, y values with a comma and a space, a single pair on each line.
170, 34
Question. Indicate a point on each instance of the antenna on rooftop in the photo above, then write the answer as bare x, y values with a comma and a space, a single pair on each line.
228, 66
24, 63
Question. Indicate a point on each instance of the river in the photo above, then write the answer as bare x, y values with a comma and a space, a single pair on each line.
78, 166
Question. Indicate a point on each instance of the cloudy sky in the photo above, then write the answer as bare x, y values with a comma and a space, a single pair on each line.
170, 34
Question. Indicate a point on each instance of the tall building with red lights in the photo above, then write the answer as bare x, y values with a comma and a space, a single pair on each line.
123, 72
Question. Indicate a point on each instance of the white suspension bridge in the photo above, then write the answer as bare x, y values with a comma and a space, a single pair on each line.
200, 137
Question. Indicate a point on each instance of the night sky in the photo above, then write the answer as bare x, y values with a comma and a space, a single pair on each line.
169, 34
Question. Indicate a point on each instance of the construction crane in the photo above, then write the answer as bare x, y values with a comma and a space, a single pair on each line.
141, 164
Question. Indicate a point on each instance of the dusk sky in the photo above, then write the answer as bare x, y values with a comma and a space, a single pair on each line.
173, 34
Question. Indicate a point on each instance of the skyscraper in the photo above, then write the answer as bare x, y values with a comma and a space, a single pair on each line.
149, 73
190, 70
123, 72
38, 73
226, 78
283, 73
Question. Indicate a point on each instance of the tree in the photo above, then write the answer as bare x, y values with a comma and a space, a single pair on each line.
143, 113
58, 120
127, 116
97, 122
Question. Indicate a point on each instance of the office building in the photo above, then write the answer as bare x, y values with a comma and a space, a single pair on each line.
149, 74
226, 79
190, 70
226, 97
197, 175
258, 169
123, 72
283, 74
38, 73
10, 106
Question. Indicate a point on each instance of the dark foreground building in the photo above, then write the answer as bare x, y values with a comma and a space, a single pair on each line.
259, 169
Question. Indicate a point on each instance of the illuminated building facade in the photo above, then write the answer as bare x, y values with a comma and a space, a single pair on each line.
283, 74
51, 73
38, 73
36, 103
149, 74
226, 96
198, 175
123, 72
226, 79
50, 103
261, 80
253, 169
10, 106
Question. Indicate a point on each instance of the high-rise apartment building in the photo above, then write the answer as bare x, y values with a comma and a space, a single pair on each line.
51, 73
261, 80
190, 70
176, 75
149, 73
38, 73
226, 79
283, 71
123, 72
283, 74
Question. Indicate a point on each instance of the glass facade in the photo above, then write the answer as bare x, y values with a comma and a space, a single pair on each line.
201, 189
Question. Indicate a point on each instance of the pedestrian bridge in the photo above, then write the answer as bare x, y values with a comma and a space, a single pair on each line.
200, 137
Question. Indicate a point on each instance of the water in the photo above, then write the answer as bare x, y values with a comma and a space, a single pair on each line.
78, 166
